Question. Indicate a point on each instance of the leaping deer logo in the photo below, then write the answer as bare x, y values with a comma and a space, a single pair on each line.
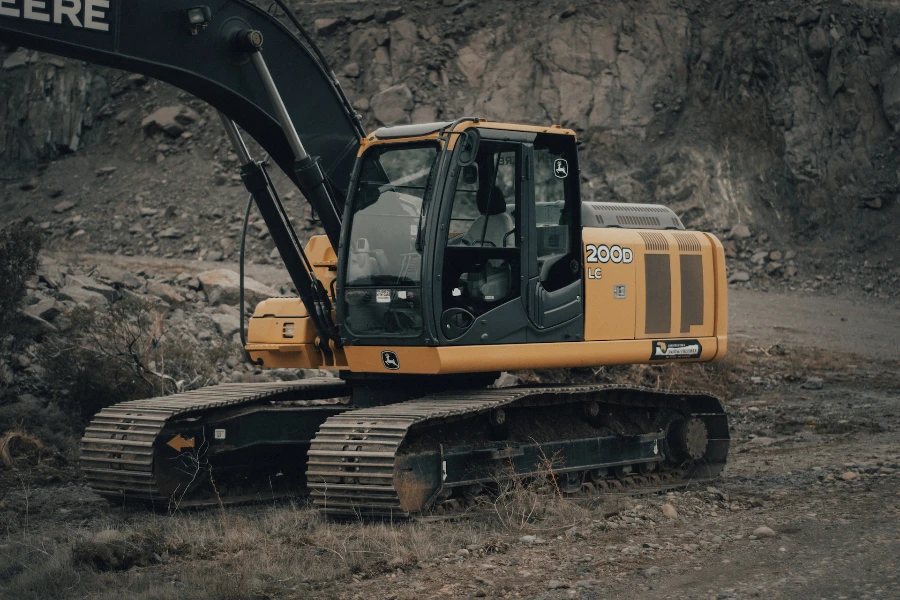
561, 168
390, 360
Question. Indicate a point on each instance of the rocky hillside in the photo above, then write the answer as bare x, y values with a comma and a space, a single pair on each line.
777, 116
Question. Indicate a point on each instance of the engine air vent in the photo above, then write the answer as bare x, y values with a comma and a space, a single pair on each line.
655, 242
687, 242
628, 216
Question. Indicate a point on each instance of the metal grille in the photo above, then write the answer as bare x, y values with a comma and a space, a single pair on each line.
639, 221
687, 242
655, 242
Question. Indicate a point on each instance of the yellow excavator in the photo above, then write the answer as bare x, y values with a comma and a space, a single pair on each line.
453, 251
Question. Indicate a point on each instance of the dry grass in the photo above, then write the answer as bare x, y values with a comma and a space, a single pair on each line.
237, 553
283, 551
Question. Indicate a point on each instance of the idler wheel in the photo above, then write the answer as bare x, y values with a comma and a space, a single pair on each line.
689, 438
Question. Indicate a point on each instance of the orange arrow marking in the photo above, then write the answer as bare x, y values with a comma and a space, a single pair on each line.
179, 443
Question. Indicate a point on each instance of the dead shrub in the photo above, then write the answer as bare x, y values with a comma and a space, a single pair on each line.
533, 503
16, 445
121, 352
19, 248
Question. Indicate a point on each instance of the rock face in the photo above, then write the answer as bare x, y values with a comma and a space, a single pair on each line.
223, 287
47, 107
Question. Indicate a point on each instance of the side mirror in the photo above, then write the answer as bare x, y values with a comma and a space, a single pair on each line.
469, 140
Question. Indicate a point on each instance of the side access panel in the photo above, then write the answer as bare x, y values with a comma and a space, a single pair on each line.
649, 284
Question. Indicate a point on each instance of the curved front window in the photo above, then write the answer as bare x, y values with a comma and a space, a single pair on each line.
382, 290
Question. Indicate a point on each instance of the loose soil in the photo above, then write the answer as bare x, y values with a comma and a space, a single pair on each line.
819, 467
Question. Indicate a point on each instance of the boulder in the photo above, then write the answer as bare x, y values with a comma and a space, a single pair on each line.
222, 286
384, 15
228, 323
32, 326
46, 308
86, 291
171, 120
392, 106
165, 291
739, 232
327, 26
17, 59
739, 276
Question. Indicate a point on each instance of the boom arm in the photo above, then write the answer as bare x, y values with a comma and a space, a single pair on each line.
194, 47
215, 53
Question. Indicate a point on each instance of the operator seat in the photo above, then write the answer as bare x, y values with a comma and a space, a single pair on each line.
499, 222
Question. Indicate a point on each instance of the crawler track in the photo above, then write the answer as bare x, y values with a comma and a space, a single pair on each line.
127, 453
431, 453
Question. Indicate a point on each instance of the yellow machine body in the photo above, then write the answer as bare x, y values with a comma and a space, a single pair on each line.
674, 300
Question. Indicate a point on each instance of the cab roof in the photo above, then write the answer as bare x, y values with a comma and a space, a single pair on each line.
421, 130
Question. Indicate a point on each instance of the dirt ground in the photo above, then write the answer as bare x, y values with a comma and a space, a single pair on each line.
815, 458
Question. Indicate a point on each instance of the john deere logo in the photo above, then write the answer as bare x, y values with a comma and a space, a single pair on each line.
390, 360
561, 168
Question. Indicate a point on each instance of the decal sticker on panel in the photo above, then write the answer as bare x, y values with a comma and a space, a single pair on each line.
673, 349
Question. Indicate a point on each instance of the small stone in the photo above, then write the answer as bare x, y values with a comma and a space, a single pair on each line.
740, 232
651, 572
123, 116
568, 12
28, 185
64, 206
739, 276
775, 255
527, 539
104, 171
554, 584
763, 441
813, 383
849, 476
669, 511
462, 552
352, 70
170, 233
764, 532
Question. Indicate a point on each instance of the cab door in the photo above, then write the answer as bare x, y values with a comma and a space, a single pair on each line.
554, 292
480, 253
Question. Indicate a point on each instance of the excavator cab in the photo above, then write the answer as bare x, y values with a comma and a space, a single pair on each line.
462, 234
